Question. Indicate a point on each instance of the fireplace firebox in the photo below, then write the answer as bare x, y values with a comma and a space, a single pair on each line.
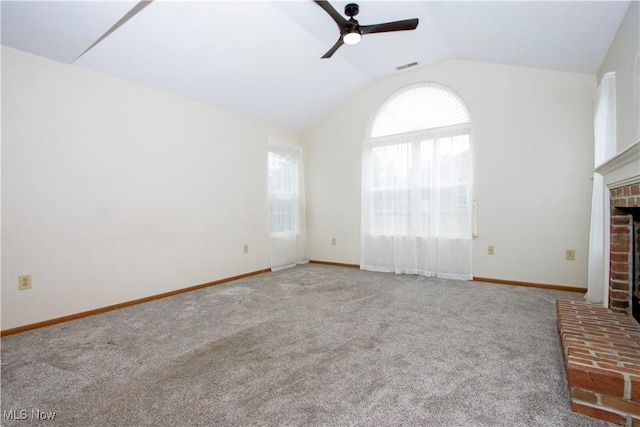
634, 257
621, 176
624, 277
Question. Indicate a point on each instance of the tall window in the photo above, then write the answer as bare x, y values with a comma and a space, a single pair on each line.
283, 189
417, 185
286, 204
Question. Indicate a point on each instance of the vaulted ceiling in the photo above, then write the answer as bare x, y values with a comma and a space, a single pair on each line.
263, 58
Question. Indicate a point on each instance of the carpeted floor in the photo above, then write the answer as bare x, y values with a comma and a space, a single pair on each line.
313, 345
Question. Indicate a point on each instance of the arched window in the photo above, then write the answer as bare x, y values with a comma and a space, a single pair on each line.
416, 185
417, 107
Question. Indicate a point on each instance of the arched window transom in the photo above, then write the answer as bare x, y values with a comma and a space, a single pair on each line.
418, 107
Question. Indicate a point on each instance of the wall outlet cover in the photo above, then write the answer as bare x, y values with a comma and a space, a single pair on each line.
570, 254
24, 282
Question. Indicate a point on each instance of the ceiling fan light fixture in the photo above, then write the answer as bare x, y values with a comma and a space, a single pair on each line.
351, 31
352, 38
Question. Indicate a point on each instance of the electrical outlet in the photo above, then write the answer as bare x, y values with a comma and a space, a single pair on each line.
245, 249
491, 250
24, 282
333, 241
570, 254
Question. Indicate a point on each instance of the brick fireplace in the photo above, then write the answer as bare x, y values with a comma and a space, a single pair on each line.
601, 339
624, 250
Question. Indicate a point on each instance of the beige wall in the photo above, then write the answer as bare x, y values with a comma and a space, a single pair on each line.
533, 160
623, 58
112, 191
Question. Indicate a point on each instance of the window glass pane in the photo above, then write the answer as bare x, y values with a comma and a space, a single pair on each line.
455, 174
392, 204
392, 166
422, 188
283, 190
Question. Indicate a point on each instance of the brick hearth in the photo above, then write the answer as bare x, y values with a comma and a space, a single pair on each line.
601, 341
602, 359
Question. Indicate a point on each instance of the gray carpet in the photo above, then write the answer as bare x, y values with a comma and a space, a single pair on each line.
313, 345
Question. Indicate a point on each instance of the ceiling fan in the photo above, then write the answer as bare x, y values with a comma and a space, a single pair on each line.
351, 31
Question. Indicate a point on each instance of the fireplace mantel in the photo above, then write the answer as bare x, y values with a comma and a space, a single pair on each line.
623, 168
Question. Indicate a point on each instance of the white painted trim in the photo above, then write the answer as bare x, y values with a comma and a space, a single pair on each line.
622, 169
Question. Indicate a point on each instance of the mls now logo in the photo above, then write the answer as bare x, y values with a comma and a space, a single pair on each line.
23, 414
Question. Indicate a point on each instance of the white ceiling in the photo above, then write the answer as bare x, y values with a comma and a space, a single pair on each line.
263, 58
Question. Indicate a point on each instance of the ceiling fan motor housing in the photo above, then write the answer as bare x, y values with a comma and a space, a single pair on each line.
351, 9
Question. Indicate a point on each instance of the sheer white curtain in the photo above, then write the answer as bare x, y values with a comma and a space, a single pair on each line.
416, 203
605, 147
287, 225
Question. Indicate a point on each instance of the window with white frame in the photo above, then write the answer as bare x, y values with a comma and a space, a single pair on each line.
417, 184
285, 162
421, 184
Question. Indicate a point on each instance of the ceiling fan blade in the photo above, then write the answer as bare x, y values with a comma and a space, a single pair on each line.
335, 47
137, 8
407, 24
340, 20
